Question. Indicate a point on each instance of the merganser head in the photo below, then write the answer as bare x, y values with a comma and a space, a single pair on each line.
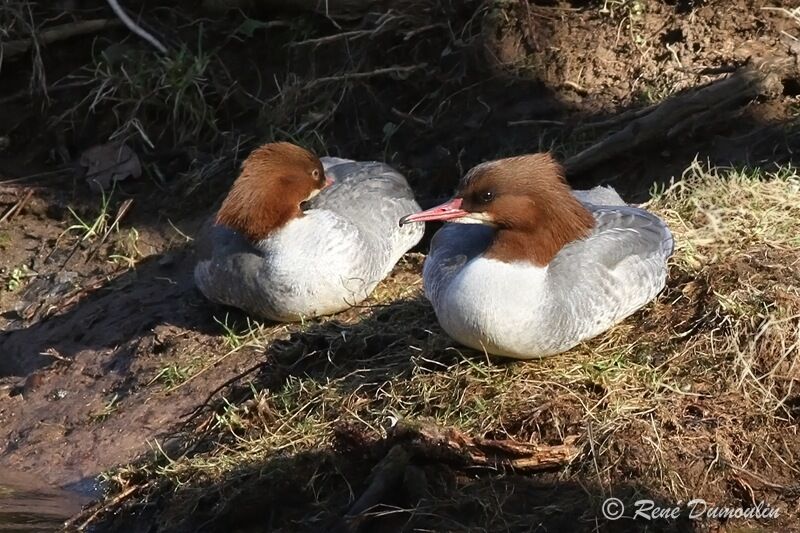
275, 179
526, 198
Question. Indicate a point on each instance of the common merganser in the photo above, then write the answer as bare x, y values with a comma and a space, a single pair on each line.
542, 268
299, 236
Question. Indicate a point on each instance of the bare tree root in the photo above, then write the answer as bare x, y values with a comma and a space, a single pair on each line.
687, 111
418, 443
448, 445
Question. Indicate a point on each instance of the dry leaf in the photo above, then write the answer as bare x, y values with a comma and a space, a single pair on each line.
109, 163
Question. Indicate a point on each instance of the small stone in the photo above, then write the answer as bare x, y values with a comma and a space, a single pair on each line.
58, 394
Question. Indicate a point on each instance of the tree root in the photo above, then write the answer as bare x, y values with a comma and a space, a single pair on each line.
416, 443
448, 445
686, 112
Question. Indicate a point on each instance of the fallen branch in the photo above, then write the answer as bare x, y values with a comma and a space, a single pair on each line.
427, 443
686, 111
11, 49
453, 447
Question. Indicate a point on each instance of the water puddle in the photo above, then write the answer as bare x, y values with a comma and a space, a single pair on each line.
27, 506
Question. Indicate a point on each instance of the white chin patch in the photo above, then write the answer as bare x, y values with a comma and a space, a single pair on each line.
312, 195
475, 218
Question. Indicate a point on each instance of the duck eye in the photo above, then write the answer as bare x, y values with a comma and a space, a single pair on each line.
315, 173
486, 197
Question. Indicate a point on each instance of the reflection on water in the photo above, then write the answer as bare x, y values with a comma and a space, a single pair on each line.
26, 506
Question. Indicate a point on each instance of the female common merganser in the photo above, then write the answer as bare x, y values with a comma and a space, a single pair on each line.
542, 268
299, 236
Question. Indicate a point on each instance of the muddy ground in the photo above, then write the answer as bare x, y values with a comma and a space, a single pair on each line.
106, 346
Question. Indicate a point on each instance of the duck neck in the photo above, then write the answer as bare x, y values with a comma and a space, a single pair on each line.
539, 240
257, 218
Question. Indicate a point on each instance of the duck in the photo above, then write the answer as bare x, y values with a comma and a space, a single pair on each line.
525, 267
299, 236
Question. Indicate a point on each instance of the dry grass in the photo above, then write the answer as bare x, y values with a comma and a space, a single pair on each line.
695, 396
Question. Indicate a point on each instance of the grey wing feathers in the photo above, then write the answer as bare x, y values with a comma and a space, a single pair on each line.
358, 182
600, 195
329, 162
651, 228
370, 175
622, 232
623, 263
373, 196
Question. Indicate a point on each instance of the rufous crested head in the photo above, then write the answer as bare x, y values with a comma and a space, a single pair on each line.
275, 179
527, 199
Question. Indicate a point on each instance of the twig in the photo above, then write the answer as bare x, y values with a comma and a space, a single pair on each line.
61, 32
116, 500
68, 300
619, 119
363, 75
709, 71
196, 411
135, 28
413, 33
16, 208
383, 479
793, 13
786, 489
52, 352
331, 38
533, 122
576, 86
71, 253
408, 116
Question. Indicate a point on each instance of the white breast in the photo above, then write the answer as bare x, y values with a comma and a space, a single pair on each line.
316, 266
494, 306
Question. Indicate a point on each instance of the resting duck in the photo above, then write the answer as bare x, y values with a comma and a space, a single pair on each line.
539, 268
299, 236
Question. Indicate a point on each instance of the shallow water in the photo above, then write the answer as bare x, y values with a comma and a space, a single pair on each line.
27, 506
